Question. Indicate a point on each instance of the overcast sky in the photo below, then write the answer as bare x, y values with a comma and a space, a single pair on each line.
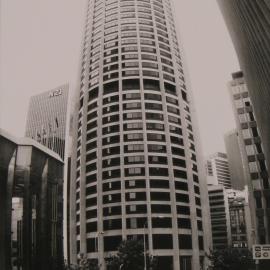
40, 50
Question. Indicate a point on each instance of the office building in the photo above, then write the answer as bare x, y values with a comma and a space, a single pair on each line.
253, 157
48, 124
136, 160
47, 119
230, 218
248, 24
217, 170
31, 204
220, 217
235, 160
240, 219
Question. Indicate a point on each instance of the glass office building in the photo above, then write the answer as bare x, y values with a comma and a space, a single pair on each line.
47, 119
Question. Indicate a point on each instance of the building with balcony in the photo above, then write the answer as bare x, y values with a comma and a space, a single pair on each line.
136, 168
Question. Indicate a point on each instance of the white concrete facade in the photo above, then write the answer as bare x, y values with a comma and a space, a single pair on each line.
136, 166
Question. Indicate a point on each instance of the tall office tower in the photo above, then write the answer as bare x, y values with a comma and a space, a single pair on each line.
136, 161
253, 157
248, 23
220, 217
47, 123
240, 218
46, 119
217, 170
230, 218
235, 160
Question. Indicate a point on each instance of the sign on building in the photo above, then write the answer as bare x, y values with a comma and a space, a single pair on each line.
261, 252
55, 93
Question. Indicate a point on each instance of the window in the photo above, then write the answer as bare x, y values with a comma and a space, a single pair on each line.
133, 126
134, 171
134, 148
185, 262
155, 137
152, 97
111, 242
154, 126
134, 115
134, 159
153, 106
131, 106
253, 167
162, 241
131, 96
156, 148
185, 241
184, 223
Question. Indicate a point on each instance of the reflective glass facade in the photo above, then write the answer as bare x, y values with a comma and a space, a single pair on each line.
46, 119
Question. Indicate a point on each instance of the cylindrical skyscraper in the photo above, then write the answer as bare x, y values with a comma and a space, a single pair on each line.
135, 165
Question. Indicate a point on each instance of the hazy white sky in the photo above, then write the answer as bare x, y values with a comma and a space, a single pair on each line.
40, 50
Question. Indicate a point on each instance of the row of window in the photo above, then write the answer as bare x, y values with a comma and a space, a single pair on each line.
142, 209
138, 184
138, 223
141, 196
160, 241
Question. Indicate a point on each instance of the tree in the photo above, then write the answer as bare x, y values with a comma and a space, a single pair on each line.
231, 259
93, 264
130, 256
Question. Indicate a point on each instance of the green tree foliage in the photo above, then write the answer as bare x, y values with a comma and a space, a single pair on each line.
130, 256
231, 259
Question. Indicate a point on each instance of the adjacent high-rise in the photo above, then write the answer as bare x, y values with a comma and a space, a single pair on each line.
136, 163
248, 23
253, 158
220, 217
235, 160
46, 119
230, 218
48, 124
217, 170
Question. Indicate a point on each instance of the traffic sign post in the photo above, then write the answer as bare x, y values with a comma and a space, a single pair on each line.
261, 252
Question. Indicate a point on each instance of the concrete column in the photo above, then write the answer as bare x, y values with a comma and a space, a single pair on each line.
27, 221
7, 181
43, 237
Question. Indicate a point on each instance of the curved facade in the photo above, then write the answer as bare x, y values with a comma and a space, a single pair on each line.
135, 160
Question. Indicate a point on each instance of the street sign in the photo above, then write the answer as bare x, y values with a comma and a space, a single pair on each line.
261, 252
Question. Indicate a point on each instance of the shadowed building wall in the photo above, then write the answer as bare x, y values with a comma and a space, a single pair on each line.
249, 25
253, 158
236, 168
